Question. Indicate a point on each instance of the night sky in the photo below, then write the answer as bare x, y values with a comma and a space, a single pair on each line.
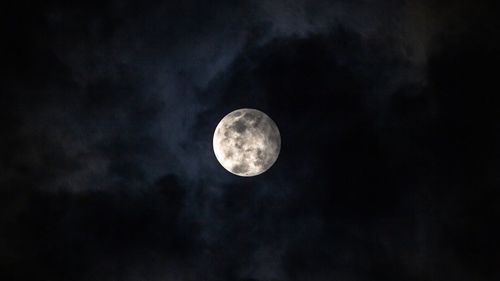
389, 114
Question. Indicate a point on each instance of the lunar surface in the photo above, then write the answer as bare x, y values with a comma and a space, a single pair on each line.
246, 142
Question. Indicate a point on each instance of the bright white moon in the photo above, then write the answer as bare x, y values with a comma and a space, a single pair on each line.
247, 142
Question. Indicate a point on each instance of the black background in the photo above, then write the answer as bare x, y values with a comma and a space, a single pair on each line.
388, 113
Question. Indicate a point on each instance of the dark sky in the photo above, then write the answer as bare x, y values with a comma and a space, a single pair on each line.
389, 114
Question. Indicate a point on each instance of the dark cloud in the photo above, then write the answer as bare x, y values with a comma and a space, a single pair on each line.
388, 120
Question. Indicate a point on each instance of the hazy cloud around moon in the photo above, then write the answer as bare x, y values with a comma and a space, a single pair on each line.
386, 110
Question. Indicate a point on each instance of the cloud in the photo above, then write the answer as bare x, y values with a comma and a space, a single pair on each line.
110, 108
127, 82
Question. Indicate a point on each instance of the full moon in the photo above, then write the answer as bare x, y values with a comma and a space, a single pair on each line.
246, 142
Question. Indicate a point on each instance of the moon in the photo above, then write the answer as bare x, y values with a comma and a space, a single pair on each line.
247, 142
